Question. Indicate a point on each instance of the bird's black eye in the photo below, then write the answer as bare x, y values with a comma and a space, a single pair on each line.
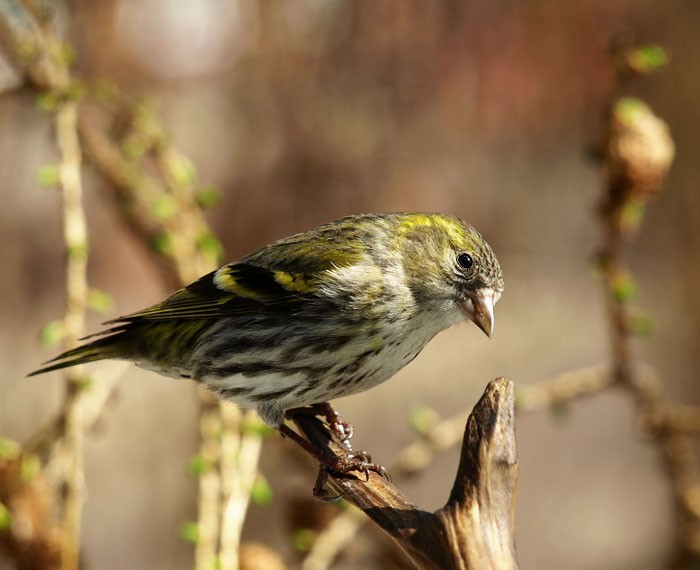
465, 261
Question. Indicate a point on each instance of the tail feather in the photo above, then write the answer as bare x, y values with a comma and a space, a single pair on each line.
96, 350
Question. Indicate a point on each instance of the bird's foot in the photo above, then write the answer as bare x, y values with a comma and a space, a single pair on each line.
356, 461
342, 430
341, 465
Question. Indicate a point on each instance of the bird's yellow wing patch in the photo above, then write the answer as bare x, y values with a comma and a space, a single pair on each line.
237, 288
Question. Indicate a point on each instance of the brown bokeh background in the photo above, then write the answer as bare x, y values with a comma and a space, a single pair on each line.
304, 112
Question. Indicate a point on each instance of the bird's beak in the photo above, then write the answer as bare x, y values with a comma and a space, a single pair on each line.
479, 309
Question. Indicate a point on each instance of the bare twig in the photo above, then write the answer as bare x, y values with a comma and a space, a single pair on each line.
333, 539
236, 450
564, 388
75, 235
210, 486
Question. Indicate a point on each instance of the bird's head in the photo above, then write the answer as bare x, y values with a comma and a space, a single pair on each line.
451, 268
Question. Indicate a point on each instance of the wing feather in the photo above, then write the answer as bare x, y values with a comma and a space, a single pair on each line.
235, 289
275, 279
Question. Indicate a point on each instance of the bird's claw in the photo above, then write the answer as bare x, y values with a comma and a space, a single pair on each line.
341, 466
358, 461
340, 428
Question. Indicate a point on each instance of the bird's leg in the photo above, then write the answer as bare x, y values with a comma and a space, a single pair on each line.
320, 491
336, 464
339, 427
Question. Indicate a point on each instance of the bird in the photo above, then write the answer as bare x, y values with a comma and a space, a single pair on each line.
321, 314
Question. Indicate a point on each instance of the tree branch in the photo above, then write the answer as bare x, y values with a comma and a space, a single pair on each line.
474, 530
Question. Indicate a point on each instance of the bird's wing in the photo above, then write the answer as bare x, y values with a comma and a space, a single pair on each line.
235, 289
275, 279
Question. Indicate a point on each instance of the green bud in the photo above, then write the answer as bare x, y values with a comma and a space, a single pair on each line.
165, 207
628, 110
632, 214
48, 176
199, 465
189, 532
9, 448
208, 196
136, 146
145, 113
5, 518
67, 55
641, 323
624, 287
52, 333
422, 419
161, 243
48, 101
647, 59
303, 539
29, 468
261, 494
211, 246
100, 301
76, 90
181, 168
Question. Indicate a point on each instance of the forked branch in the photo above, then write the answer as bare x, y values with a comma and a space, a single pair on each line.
475, 529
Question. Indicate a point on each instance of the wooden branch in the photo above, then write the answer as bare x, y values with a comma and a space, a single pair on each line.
76, 242
475, 529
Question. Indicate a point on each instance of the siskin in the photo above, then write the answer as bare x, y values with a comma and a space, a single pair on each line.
325, 313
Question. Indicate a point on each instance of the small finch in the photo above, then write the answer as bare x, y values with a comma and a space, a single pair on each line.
325, 313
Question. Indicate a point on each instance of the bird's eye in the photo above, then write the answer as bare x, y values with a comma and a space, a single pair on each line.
465, 261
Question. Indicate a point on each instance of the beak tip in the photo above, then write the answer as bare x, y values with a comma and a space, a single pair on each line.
486, 327
482, 314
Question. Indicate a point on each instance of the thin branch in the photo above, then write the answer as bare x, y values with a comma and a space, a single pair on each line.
236, 450
333, 539
30, 49
210, 486
75, 235
564, 388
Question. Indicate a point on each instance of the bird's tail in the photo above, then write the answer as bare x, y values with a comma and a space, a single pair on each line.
106, 347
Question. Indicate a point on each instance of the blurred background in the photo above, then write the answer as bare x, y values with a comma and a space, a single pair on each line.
308, 111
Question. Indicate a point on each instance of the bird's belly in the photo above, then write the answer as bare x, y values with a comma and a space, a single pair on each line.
301, 385
295, 373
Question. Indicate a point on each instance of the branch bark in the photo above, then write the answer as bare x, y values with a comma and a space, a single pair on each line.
475, 528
